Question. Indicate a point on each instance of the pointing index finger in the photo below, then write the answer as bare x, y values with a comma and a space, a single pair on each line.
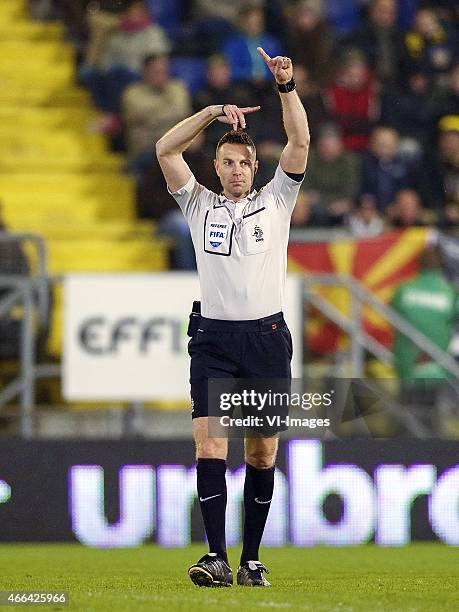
263, 54
250, 109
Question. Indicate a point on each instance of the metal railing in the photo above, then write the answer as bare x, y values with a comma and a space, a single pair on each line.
360, 340
21, 295
28, 291
29, 294
38, 273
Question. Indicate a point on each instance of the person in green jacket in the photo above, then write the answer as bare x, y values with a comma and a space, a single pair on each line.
429, 303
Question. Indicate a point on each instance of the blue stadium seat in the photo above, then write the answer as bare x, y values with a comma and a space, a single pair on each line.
192, 70
168, 13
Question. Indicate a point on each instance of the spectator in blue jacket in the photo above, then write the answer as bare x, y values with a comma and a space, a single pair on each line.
241, 49
412, 109
384, 171
432, 45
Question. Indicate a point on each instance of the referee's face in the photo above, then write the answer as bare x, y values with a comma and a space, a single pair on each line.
236, 166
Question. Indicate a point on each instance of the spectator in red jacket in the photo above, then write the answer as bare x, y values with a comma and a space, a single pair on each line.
353, 101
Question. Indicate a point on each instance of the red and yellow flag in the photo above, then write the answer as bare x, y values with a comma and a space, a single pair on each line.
378, 263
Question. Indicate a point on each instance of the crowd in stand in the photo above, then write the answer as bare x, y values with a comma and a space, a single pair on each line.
379, 80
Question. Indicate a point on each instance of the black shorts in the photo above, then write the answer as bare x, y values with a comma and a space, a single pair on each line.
257, 349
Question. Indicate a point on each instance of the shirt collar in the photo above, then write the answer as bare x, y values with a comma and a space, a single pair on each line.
223, 199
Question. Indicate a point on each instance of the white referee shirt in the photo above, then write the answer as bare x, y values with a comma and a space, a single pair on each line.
241, 247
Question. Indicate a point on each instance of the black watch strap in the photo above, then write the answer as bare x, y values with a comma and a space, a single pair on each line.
286, 87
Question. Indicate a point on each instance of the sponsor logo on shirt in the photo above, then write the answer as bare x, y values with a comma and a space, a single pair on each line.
258, 233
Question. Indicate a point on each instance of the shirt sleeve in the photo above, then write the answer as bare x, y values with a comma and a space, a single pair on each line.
191, 197
284, 189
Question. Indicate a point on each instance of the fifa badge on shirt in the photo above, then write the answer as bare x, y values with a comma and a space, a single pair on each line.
217, 233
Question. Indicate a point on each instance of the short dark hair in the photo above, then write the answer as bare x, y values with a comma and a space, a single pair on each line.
152, 57
236, 137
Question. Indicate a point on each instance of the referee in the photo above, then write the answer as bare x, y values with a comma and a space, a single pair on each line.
240, 239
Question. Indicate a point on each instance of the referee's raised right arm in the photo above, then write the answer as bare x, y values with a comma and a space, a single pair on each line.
170, 147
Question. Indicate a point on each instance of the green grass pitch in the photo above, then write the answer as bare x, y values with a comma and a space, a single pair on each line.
367, 578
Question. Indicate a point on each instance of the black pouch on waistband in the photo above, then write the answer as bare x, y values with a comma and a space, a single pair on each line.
195, 317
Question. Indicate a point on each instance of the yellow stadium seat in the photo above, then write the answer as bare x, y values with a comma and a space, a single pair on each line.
79, 119
17, 218
12, 10
103, 185
29, 31
59, 143
24, 94
50, 53
32, 163
107, 255
57, 177
106, 230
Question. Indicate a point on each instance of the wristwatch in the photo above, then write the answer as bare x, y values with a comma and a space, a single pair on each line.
286, 87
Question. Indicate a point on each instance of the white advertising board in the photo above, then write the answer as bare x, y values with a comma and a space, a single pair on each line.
125, 335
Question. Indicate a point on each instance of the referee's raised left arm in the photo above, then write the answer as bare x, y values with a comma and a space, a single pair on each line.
170, 147
295, 154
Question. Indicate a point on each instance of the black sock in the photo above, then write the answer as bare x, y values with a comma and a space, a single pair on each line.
259, 485
212, 498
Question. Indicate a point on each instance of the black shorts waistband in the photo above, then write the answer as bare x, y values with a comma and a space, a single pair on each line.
265, 324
